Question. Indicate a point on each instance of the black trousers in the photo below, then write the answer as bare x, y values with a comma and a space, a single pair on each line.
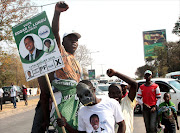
1, 102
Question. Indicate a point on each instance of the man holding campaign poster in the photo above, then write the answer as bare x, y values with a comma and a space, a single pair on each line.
65, 79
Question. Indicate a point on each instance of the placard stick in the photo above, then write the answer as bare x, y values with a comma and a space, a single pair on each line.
54, 100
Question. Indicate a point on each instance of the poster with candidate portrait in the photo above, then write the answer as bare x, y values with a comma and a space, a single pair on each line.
37, 47
154, 38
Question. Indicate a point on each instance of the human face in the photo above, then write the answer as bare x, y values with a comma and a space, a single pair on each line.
95, 122
148, 77
115, 92
85, 94
47, 44
167, 97
70, 43
124, 89
29, 74
29, 44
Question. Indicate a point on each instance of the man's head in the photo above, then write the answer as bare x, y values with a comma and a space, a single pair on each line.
167, 97
94, 121
86, 93
29, 73
29, 43
47, 43
70, 41
124, 87
147, 75
115, 92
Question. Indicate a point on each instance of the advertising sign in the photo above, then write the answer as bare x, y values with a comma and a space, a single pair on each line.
91, 74
152, 39
37, 47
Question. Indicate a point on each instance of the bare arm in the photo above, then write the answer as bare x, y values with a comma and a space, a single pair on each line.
132, 83
122, 127
60, 7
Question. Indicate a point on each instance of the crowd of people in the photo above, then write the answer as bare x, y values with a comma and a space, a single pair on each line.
82, 111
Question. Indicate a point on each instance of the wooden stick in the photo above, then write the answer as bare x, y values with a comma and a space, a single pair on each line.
54, 100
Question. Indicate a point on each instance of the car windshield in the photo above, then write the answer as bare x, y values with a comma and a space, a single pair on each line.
175, 83
99, 92
6, 88
103, 88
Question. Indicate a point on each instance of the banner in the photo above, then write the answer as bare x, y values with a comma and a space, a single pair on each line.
91, 74
152, 39
37, 47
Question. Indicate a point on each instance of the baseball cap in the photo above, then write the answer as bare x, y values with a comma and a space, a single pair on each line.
148, 71
72, 32
124, 83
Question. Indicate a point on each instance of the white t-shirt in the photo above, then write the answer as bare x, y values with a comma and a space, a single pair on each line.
13, 91
109, 112
1, 92
128, 111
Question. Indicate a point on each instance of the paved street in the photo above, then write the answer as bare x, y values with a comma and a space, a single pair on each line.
20, 120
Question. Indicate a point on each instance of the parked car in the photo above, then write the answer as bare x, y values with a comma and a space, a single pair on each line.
104, 88
7, 94
169, 85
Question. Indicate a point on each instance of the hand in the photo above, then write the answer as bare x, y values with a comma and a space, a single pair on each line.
61, 6
61, 121
153, 109
110, 72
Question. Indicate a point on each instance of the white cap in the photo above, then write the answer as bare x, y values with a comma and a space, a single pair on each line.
72, 32
24, 86
124, 83
148, 71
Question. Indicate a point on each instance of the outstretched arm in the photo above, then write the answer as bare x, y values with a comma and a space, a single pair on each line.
60, 7
132, 83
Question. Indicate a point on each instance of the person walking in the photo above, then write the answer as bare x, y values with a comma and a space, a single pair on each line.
149, 95
13, 94
1, 97
25, 94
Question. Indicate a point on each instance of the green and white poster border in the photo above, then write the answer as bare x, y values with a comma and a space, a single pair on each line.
39, 29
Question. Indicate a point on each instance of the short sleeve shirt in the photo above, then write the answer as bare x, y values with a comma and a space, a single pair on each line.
100, 117
13, 91
72, 68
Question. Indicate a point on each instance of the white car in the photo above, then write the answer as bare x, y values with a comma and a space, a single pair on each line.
104, 88
169, 85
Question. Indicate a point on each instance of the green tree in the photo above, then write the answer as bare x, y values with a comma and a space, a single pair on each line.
168, 60
12, 13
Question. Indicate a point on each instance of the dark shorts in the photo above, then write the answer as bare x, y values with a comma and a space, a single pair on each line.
24, 97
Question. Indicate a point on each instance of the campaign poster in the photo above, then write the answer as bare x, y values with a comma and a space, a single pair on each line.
152, 39
37, 47
91, 74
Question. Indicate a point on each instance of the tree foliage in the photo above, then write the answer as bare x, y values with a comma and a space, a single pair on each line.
11, 69
168, 60
12, 13
83, 57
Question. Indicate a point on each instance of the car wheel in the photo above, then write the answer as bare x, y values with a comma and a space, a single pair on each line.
17, 99
137, 109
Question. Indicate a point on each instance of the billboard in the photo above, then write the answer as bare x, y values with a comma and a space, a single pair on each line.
152, 39
37, 47
91, 74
